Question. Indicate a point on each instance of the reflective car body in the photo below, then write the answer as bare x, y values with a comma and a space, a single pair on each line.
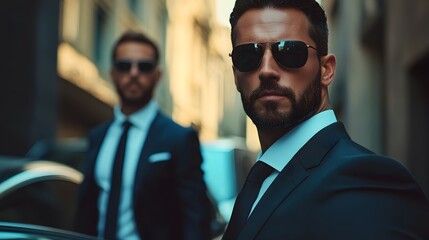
27, 231
38, 192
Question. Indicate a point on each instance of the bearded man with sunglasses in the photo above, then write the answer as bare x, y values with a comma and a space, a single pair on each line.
311, 181
143, 177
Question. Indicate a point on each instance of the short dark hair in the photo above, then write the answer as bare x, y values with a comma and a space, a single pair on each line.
134, 36
318, 24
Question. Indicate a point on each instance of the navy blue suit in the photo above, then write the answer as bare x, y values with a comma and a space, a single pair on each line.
170, 200
333, 189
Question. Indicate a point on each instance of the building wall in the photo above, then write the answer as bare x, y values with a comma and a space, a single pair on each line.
29, 36
355, 92
201, 80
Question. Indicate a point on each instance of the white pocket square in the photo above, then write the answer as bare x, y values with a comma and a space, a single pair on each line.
158, 157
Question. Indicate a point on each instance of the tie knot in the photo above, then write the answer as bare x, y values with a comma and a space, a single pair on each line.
126, 124
259, 172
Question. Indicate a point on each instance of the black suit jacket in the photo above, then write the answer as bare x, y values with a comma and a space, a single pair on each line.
335, 189
170, 200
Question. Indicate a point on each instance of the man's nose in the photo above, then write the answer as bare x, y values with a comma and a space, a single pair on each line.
134, 69
269, 69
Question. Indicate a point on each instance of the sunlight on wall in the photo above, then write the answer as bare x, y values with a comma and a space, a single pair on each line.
78, 69
223, 9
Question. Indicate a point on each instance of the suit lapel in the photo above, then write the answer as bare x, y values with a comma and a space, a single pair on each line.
95, 140
296, 171
288, 179
86, 212
150, 143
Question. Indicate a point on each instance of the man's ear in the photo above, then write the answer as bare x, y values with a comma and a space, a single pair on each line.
328, 64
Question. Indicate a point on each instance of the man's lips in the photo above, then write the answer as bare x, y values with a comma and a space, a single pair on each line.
270, 95
133, 86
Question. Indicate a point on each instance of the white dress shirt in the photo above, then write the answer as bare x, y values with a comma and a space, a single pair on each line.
282, 151
141, 121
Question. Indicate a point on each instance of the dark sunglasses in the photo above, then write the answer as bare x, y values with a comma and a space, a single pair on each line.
125, 66
288, 54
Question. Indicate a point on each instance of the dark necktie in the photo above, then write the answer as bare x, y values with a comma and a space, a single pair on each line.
246, 198
110, 228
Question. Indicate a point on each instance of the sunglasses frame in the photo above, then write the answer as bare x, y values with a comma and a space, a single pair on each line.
150, 65
280, 45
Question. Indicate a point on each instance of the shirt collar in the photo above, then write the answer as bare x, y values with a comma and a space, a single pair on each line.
282, 151
141, 118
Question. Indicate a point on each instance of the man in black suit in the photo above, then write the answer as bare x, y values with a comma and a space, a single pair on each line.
312, 181
161, 192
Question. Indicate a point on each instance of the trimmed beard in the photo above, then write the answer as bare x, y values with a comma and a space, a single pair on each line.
301, 109
136, 102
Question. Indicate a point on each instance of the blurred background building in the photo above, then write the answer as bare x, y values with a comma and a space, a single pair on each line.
59, 53
56, 58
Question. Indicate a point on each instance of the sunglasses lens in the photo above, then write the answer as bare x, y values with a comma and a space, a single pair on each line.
146, 66
126, 65
123, 66
247, 57
290, 54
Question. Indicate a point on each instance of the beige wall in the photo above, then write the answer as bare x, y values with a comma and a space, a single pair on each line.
201, 79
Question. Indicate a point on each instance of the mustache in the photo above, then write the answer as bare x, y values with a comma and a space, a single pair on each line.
272, 88
133, 80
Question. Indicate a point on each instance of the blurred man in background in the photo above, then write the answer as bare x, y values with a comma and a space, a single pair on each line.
143, 177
